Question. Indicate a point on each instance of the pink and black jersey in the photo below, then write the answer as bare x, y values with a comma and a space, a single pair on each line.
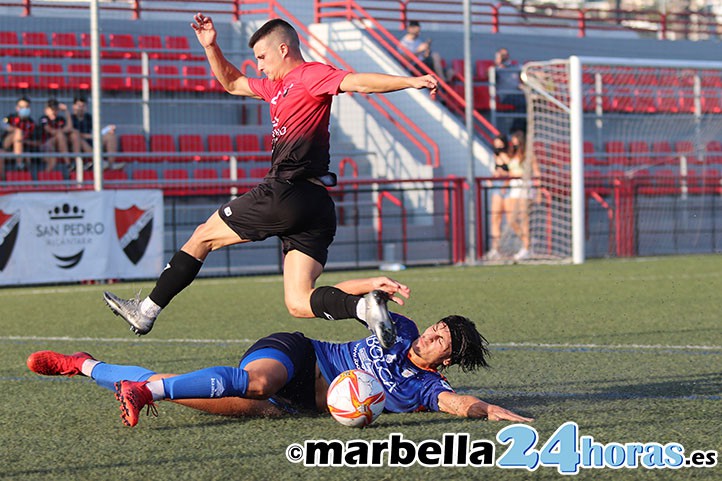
300, 105
26, 124
57, 123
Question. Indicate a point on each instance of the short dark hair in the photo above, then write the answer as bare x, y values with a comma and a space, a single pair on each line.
23, 99
414, 23
469, 349
290, 36
80, 98
52, 103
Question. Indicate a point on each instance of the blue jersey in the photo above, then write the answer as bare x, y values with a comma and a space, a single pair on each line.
408, 387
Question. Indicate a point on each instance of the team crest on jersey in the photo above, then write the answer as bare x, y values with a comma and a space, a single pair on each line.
9, 226
134, 227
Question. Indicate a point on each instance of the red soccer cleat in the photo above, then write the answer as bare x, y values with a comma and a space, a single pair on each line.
51, 363
133, 396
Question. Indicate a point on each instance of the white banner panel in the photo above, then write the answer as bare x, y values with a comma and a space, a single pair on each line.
76, 236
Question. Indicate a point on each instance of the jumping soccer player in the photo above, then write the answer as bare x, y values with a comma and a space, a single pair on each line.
292, 202
287, 372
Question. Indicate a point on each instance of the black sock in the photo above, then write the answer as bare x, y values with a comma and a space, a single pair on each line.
179, 273
332, 303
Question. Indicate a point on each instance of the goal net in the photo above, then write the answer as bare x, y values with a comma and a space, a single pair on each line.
629, 154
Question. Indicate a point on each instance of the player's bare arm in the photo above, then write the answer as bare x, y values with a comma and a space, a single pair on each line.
359, 287
370, 83
227, 74
472, 407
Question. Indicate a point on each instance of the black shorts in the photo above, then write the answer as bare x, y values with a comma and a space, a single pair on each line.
300, 390
299, 212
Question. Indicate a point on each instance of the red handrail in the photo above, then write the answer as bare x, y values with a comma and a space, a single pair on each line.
353, 11
496, 16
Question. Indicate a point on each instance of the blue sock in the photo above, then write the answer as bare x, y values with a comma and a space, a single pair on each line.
219, 381
106, 375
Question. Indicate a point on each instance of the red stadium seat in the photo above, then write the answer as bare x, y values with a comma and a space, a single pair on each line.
165, 78
482, 100
161, 143
668, 100
134, 143
714, 152
191, 143
78, 76
176, 181
220, 143
115, 176
687, 149
240, 173
711, 102
151, 44
9, 42
134, 78
145, 175
482, 70
111, 77
52, 176
207, 186
662, 153
195, 78
65, 43
177, 47
645, 100
247, 143
639, 153
616, 152
18, 176
85, 44
38, 43
51, 76
21, 75
267, 143
121, 45
590, 154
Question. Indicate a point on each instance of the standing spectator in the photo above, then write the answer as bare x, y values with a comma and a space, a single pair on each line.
422, 49
55, 130
507, 80
500, 193
81, 138
521, 192
21, 133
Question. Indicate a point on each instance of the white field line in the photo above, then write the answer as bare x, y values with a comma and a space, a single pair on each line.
529, 345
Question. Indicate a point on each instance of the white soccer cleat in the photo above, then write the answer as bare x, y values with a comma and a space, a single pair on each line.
129, 310
378, 319
523, 254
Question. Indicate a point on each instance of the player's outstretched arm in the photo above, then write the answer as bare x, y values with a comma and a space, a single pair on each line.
227, 74
370, 83
472, 407
359, 287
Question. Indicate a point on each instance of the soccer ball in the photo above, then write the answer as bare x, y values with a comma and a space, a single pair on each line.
355, 398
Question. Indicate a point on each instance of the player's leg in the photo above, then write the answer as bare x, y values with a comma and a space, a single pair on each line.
497, 214
178, 274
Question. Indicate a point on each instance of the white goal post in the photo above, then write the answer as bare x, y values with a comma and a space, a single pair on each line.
641, 129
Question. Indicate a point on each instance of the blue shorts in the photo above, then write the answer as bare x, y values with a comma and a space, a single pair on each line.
296, 352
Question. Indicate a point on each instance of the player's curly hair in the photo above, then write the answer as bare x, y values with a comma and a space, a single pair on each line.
469, 349
277, 25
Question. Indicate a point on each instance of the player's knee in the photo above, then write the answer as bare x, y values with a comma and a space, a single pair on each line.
299, 308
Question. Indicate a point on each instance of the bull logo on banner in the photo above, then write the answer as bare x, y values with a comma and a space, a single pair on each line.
134, 227
9, 226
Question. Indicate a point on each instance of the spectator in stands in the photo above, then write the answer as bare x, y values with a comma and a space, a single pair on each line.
500, 193
55, 131
292, 202
21, 134
422, 49
81, 138
507, 80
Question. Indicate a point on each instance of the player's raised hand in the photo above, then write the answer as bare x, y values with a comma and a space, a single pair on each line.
426, 82
205, 30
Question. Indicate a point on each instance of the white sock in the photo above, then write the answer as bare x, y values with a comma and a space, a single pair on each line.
157, 389
150, 308
361, 309
87, 367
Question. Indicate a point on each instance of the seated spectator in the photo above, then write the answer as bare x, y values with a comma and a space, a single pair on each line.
81, 137
55, 130
21, 134
422, 50
507, 80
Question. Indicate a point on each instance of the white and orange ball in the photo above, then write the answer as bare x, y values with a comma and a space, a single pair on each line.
355, 398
